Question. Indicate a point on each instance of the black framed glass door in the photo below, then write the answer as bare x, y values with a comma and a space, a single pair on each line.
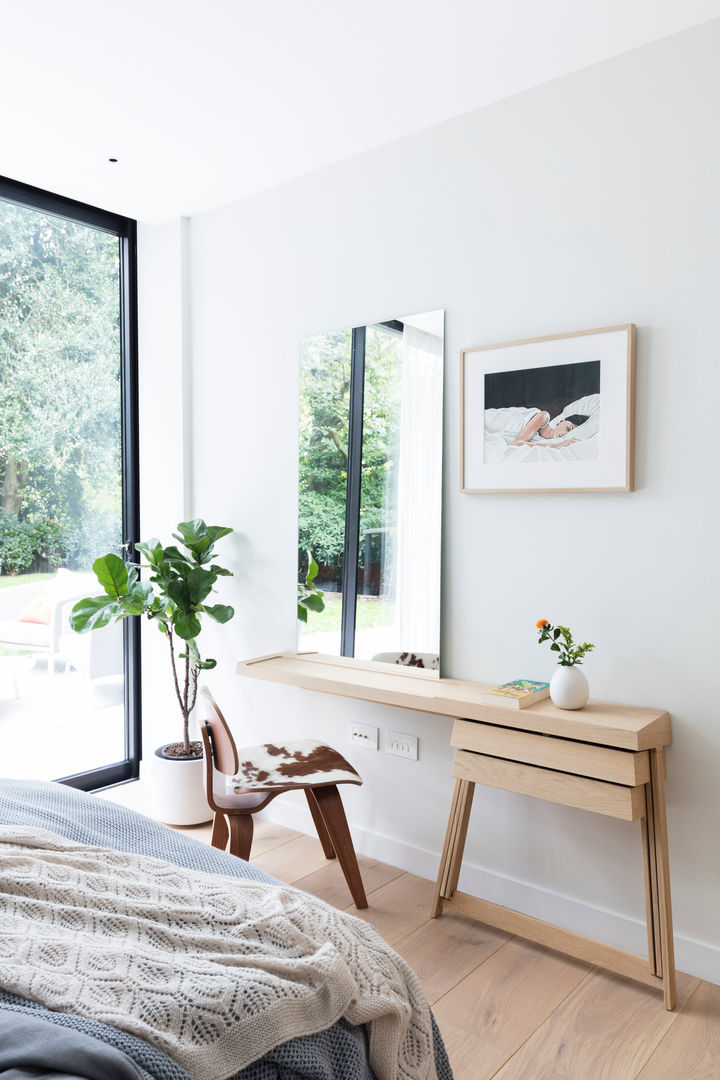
70, 704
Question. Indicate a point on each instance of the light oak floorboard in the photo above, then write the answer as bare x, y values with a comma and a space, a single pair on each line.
443, 951
607, 1029
487, 1016
398, 908
291, 861
506, 1008
691, 1047
328, 883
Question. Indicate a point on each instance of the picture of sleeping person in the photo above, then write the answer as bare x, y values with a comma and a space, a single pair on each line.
539, 427
520, 434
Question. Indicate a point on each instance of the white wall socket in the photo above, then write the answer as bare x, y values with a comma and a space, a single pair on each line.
402, 745
364, 735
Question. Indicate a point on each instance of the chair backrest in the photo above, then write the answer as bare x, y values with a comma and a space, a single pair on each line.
225, 755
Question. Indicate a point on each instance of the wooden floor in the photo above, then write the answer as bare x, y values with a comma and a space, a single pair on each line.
506, 1008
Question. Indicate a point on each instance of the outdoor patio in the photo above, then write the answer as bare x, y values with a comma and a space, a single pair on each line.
55, 725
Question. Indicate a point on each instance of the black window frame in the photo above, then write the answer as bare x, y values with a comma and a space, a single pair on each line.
125, 229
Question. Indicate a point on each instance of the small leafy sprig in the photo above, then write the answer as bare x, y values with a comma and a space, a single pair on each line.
310, 598
562, 642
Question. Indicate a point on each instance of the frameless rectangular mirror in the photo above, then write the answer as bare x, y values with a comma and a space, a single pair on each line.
370, 485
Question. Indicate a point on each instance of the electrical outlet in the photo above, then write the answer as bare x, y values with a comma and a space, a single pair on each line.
364, 735
402, 745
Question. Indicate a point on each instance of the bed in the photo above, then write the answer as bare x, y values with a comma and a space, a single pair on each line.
503, 425
36, 1041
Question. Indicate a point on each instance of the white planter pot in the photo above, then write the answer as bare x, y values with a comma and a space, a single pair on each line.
178, 788
569, 688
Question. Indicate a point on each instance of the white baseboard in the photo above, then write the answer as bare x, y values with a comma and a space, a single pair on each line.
699, 958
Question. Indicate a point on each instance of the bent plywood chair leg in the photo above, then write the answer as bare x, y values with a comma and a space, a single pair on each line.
219, 831
331, 808
323, 834
241, 834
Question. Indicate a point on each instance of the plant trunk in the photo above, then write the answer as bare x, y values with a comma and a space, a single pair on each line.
14, 482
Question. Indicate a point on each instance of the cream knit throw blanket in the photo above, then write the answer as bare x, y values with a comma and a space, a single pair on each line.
215, 971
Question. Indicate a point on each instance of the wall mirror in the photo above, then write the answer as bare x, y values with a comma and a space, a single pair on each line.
370, 487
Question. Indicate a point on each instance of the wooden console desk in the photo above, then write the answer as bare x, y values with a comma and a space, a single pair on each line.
605, 758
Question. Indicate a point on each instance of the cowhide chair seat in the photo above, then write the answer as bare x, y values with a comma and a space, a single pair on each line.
255, 775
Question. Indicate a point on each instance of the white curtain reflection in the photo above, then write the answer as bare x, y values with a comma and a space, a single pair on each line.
419, 492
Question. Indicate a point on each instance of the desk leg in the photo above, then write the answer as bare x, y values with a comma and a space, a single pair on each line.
664, 912
652, 903
451, 858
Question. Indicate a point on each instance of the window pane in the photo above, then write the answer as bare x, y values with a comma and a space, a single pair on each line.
376, 628
60, 491
324, 405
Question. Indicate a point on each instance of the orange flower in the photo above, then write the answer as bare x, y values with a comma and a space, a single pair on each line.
542, 622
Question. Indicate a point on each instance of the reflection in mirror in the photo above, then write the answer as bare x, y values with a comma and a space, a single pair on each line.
370, 491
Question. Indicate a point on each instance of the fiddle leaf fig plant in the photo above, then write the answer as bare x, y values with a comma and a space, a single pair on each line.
175, 597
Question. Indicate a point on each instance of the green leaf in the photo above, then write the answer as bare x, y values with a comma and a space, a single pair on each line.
216, 532
312, 571
138, 598
174, 555
186, 625
178, 591
555, 647
302, 613
314, 602
200, 583
221, 613
152, 550
206, 665
112, 574
94, 612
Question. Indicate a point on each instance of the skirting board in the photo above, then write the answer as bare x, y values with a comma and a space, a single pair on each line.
698, 958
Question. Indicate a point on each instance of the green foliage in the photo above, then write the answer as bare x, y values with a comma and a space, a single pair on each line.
59, 383
324, 404
17, 550
561, 642
173, 598
310, 598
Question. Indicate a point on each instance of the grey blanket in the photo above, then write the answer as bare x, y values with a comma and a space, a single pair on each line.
336, 1054
31, 1047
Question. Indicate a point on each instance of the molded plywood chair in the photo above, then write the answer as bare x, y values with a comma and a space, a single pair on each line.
259, 773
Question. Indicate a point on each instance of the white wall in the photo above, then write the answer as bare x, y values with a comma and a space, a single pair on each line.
587, 202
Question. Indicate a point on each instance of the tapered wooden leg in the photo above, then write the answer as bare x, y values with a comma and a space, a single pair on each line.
652, 903
454, 847
445, 857
667, 947
241, 834
323, 834
219, 831
331, 808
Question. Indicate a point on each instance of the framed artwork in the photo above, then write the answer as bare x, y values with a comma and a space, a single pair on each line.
549, 414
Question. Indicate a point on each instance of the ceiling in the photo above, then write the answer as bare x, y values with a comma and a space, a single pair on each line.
204, 103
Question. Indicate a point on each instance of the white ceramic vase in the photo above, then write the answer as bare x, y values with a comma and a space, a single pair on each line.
178, 790
569, 688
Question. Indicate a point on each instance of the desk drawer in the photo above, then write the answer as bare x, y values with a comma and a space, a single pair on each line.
584, 759
598, 796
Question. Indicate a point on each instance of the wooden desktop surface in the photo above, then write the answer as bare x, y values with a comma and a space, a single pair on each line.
623, 726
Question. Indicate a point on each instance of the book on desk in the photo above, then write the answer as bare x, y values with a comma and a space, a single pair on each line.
517, 694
